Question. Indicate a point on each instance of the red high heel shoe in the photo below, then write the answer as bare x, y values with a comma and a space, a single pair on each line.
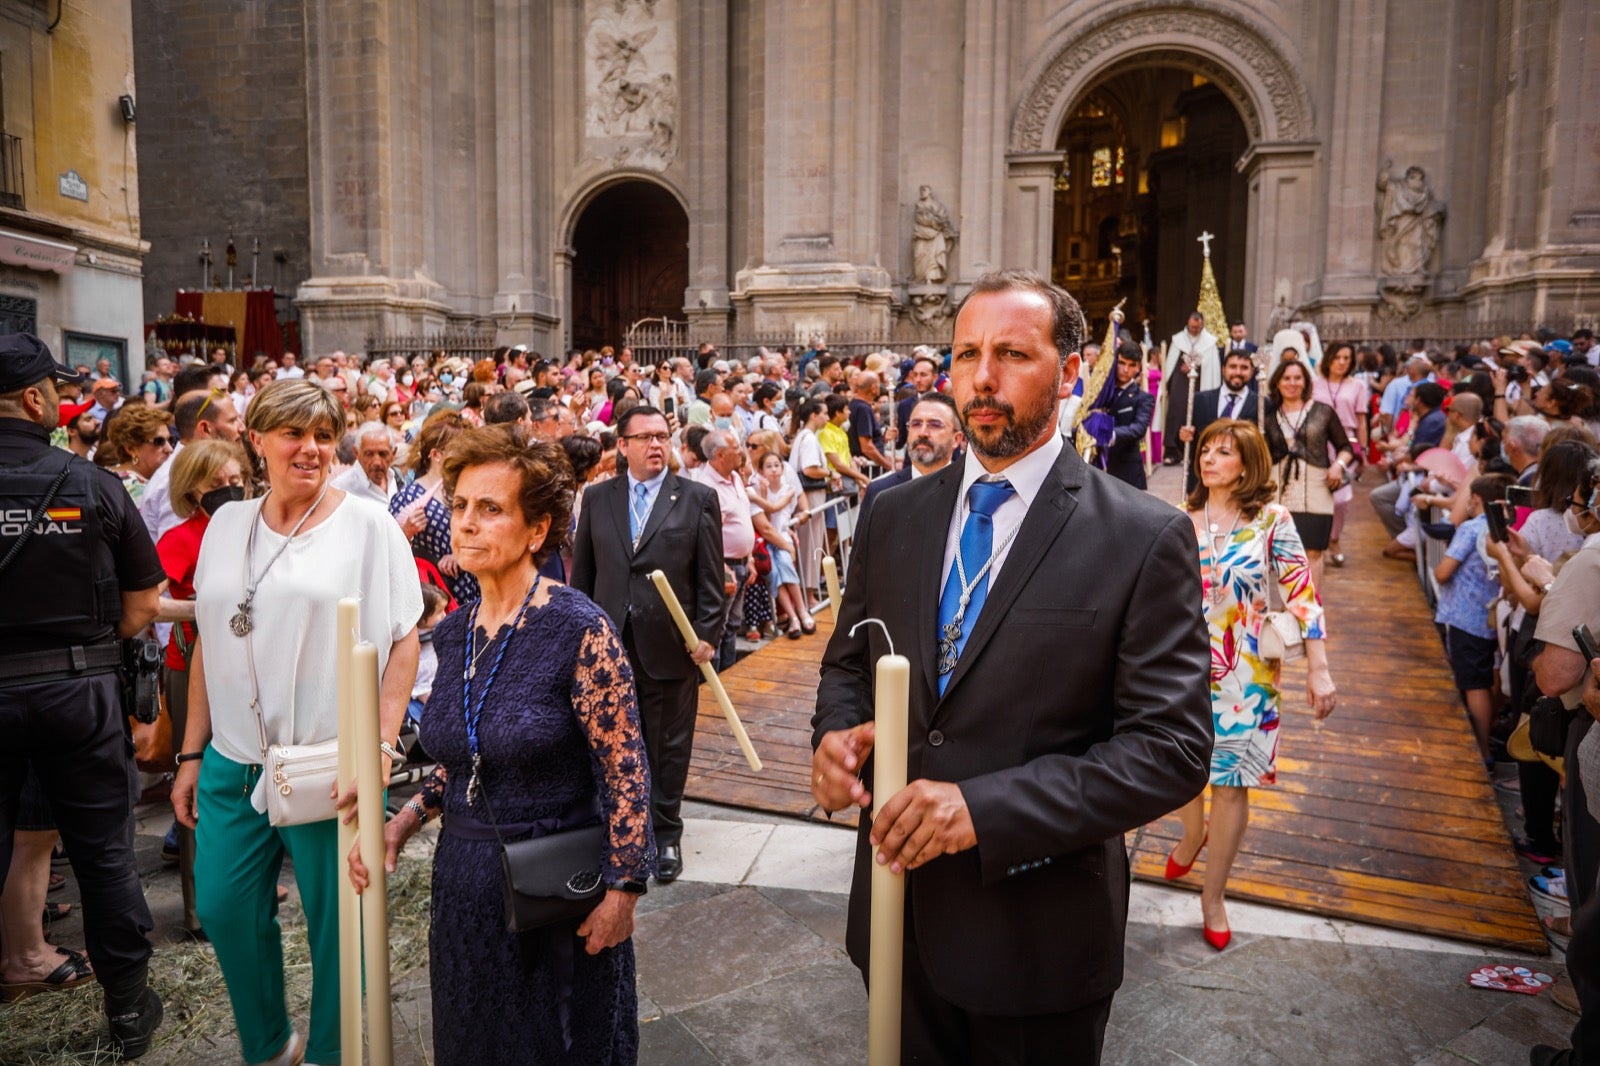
1175, 871
1216, 939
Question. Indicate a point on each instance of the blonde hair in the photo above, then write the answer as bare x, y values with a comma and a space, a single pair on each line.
296, 403
196, 465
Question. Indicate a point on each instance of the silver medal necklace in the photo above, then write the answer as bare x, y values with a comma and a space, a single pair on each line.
952, 629
241, 623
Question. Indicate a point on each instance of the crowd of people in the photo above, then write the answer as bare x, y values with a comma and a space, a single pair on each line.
503, 515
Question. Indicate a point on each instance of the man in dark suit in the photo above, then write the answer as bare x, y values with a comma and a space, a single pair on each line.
1238, 340
1026, 764
1132, 408
1234, 398
652, 519
934, 430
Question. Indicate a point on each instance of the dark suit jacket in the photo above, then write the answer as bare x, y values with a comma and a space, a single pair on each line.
682, 538
1132, 408
877, 486
1207, 407
1079, 710
1226, 346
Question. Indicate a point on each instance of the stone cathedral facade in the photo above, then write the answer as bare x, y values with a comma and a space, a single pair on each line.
556, 170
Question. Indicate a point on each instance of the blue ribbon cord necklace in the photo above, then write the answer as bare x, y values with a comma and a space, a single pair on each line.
473, 715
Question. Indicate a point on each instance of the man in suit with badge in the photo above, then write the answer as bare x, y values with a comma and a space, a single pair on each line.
1132, 407
1234, 398
652, 519
1020, 792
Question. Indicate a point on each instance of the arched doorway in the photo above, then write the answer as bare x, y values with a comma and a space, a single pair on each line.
1147, 165
630, 261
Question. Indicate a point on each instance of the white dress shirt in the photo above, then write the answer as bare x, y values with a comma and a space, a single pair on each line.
353, 479
1027, 476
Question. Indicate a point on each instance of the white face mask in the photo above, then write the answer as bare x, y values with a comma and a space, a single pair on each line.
1574, 524
406, 379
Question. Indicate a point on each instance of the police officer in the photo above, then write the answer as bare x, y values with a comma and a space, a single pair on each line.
77, 571
1132, 407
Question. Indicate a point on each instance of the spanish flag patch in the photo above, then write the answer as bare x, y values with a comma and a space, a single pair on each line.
64, 514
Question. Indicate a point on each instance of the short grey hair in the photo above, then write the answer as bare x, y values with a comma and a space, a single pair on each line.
716, 442
1527, 433
296, 403
1419, 362
372, 429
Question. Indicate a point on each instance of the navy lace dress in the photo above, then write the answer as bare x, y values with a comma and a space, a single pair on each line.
560, 743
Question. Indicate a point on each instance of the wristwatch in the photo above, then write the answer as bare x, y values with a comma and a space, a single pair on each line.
1546, 587
394, 753
188, 756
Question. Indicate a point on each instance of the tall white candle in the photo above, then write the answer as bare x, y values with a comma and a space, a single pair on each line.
830, 570
891, 727
375, 900
345, 635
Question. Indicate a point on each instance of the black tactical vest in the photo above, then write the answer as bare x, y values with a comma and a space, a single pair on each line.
63, 583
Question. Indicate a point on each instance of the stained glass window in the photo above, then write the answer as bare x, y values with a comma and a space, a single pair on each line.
1100, 168
1118, 174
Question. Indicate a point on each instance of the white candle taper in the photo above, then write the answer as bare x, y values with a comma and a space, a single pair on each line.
891, 728
830, 571
345, 632
375, 900
691, 640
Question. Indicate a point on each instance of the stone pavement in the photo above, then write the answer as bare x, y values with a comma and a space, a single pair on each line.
742, 961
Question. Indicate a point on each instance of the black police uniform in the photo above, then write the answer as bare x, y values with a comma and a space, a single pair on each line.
60, 694
1132, 408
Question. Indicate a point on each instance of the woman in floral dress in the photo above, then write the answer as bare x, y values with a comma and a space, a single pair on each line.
1245, 541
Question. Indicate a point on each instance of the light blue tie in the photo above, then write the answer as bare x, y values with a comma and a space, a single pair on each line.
639, 512
977, 543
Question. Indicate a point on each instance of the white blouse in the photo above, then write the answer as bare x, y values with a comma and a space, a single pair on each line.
358, 551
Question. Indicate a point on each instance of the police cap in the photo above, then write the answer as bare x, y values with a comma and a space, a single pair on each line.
26, 360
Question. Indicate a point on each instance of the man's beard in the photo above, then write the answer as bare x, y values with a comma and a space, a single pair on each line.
1014, 438
926, 453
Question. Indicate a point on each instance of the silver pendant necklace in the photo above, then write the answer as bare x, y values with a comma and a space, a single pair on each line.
1218, 545
948, 653
241, 623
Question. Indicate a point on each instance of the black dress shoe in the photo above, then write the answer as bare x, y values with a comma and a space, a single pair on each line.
131, 1029
669, 864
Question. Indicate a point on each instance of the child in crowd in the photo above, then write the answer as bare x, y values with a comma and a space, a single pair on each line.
1466, 588
434, 605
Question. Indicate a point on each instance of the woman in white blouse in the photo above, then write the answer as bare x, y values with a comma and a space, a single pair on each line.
270, 574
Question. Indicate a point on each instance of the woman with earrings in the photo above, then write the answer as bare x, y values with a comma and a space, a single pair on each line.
262, 673
1246, 542
1302, 434
534, 722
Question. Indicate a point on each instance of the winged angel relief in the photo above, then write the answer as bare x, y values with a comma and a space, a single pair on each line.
631, 103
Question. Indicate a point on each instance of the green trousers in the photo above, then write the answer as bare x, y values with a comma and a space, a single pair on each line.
238, 856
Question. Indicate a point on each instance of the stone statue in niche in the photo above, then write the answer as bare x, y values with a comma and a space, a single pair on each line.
930, 304
1409, 217
932, 235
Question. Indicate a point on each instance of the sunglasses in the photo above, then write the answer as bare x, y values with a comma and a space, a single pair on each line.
162, 441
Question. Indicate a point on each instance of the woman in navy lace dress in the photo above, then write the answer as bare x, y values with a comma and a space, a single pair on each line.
535, 691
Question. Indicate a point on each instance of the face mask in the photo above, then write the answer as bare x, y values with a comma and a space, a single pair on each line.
211, 501
724, 423
778, 407
406, 380
1574, 524
446, 378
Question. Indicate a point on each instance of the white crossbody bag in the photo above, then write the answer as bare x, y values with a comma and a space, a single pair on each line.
300, 777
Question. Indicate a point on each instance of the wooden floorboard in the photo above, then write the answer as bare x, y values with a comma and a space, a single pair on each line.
1383, 815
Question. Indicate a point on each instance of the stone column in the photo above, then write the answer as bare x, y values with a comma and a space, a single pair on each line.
1029, 210
819, 267
364, 261
985, 118
704, 118
1349, 280
1278, 261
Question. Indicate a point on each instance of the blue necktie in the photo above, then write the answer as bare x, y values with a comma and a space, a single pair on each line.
977, 543
638, 512
1227, 412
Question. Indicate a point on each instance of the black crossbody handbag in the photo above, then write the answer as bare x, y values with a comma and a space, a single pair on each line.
551, 878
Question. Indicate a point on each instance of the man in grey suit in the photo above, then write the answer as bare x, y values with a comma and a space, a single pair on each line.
1059, 697
652, 519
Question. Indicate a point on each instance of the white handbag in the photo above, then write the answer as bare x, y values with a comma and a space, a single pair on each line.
300, 778
1280, 638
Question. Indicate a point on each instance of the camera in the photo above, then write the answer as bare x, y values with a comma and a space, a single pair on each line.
1517, 373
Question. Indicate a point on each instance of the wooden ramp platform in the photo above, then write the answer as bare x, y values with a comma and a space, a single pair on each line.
1383, 816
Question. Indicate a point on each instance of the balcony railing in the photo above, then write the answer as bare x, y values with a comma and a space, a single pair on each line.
11, 171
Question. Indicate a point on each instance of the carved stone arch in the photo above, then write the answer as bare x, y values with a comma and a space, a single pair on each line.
1248, 62
594, 184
